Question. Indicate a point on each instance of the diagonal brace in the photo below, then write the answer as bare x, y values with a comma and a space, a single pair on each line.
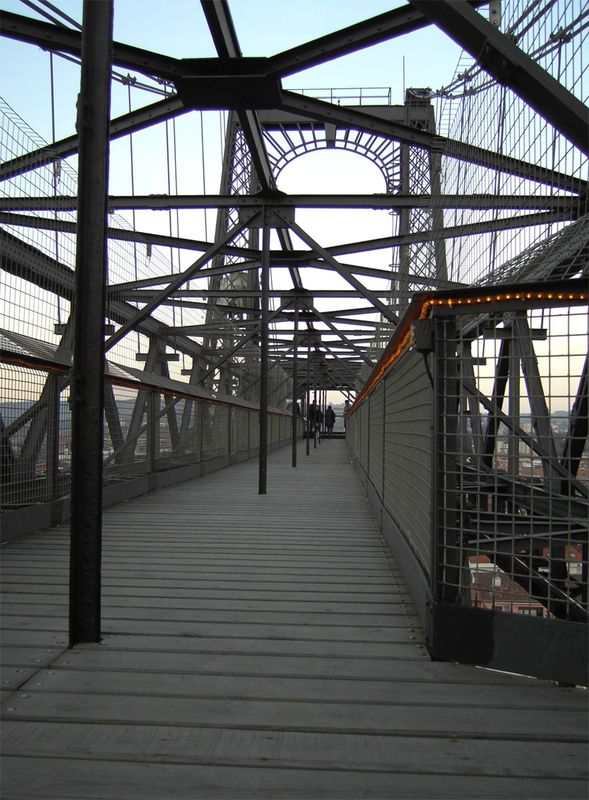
177, 282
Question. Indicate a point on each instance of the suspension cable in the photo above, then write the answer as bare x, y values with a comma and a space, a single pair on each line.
56, 174
132, 166
204, 176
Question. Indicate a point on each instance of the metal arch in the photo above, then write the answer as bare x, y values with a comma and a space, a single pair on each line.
365, 144
319, 110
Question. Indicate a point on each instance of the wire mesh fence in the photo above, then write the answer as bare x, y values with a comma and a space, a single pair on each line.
146, 430
513, 460
476, 109
480, 453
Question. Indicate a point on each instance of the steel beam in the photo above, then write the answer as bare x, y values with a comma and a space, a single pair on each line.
536, 398
369, 32
533, 443
221, 26
173, 285
152, 202
264, 355
451, 232
345, 341
506, 62
226, 43
123, 235
121, 126
30, 264
58, 38
226, 354
578, 430
306, 258
347, 274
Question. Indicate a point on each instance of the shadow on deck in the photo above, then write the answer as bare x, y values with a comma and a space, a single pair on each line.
259, 647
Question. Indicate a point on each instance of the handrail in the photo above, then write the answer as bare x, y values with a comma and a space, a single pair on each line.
135, 379
423, 304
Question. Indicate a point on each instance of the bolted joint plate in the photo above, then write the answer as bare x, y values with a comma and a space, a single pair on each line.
232, 83
282, 220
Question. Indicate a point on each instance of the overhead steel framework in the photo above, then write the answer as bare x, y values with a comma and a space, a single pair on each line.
266, 129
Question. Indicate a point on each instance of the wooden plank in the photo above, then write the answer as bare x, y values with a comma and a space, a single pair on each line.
34, 636
110, 657
251, 601
149, 780
13, 678
165, 611
17, 656
194, 628
534, 724
277, 646
294, 749
260, 647
383, 692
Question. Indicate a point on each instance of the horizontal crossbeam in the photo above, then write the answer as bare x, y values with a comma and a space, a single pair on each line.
561, 203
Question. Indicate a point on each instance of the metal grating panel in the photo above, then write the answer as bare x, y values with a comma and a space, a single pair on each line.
514, 461
408, 456
364, 429
376, 452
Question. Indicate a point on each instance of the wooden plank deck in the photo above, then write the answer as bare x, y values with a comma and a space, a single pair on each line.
259, 647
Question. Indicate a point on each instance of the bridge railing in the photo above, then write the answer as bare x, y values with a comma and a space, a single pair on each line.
157, 431
472, 439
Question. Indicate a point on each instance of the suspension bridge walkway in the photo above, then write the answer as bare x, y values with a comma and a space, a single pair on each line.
259, 646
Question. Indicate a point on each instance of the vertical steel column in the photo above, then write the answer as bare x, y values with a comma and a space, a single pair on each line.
295, 382
52, 440
87, 391
514, 408
315, 400
308, 426
265, 299
152, 431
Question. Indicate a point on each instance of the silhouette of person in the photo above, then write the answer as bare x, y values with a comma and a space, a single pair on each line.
329, 420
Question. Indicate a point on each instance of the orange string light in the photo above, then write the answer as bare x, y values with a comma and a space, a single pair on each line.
424, 312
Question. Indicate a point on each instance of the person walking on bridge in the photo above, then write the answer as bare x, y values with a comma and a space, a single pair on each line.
315, 418
329, 420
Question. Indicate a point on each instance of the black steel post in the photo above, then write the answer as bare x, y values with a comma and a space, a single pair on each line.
87, 377
308, 426
52, 441
265, 298
295, 382
151, 432
315, 402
